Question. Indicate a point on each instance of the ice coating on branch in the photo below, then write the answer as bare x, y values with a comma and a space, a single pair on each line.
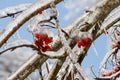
43, 30
42, 35
14, 9
16, 42
114, 33
84, 35
34, 22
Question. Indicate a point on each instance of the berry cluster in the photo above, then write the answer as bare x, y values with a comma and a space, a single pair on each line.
83, 39
42, 41
85, 42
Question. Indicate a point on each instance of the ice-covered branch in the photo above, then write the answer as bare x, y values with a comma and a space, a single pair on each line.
11, 11
89, 19
14, 25
49, 54
99, 13
19, 46
106, 57
63, 69
82, 72
93, 17
28, 67
55, 69
110, 21
42, 57
52, 54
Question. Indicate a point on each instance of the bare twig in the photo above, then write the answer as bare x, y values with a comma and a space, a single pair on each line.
47, 67
91, 68
106, 57
40, 72
23, 45
56, 67
49, 54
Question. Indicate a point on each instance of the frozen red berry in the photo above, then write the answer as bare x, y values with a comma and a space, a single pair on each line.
42, 41
37, 35
109, 74
48, 40
40, 12
116, 69
45, 48
105, 32
85, 42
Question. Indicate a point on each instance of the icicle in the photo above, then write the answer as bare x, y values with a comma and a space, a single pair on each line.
18, 35
94, 48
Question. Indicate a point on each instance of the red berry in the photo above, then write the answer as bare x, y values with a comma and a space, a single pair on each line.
41, 36
42, 41
116, 69
48, 40
105, 32
47, 46
108, 74
87, 42
118, 62
79, 44
37, 35
84, 42
40, 12
38, 43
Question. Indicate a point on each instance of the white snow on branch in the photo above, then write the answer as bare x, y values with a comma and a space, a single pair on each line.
13, 10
